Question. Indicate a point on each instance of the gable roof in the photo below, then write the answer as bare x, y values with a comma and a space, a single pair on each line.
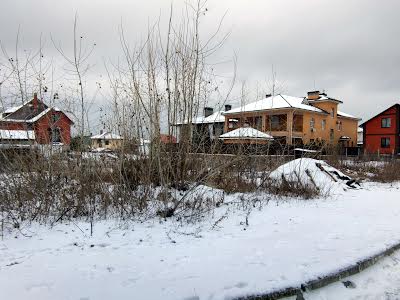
107, 136
397, 105
276, 102
25, 113
246, 133
345, 115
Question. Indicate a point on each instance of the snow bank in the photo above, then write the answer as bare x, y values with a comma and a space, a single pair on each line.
285, 243
312, 172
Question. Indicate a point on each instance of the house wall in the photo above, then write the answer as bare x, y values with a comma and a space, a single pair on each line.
112, 144
349, 126
318, 134
373, 132
41, 127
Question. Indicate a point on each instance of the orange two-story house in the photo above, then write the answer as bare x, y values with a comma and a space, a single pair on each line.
295, 120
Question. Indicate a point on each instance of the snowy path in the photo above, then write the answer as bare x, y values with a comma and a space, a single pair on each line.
286, 243
381, 281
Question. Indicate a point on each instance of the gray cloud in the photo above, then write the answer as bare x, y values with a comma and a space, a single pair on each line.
350, 48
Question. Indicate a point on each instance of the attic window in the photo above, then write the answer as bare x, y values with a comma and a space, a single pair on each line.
56, 117
332, 112
312, 123
386, 123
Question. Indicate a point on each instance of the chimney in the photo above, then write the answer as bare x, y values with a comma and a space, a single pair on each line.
208, 111
35, 102
228, 107
313, 95
268, 95
101, 131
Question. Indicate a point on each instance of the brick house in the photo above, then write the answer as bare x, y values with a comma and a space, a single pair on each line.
297, 120
381, 133
49, 124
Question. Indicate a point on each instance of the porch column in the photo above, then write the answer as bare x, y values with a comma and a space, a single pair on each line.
264, 121
289, 137
226, 124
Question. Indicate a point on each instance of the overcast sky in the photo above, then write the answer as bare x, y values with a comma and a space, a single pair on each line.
350, 48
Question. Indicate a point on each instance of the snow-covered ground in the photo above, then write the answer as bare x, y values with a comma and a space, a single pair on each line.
285, 243
381, 281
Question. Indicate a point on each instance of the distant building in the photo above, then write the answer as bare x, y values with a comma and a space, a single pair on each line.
167, 139
296, 121
204, 128
382, 132
360, 136
107, 140
48, 125
16, 138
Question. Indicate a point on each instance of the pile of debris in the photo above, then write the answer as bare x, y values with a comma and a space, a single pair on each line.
313, 172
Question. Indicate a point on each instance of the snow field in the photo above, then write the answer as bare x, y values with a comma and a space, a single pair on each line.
285, 243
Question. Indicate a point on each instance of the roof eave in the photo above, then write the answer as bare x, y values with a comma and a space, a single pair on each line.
274, 109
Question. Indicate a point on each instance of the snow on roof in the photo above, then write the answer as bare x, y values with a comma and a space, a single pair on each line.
342, 114
17, 134
344, 138
246, 133
276, 102
106, 136
32, 120
305, 150
324, 97
37, 117
12, 109
216, 117
360, 129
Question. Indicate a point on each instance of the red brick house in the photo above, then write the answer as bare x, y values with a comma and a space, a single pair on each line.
50, 124
382, 133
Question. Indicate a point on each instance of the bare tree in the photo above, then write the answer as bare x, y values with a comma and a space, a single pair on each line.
78, 67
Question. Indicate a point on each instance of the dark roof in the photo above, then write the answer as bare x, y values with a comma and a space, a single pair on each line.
394, 105
27, 111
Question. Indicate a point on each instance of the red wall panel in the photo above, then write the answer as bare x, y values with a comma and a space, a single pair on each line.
373, 132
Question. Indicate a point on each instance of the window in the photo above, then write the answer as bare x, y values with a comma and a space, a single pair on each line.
331, 136
56, 117
276, 123
339, 125
54, 135
323, 124
258, 123
297, 123
386, 122
332, 112
312, 124
107, 143
385, 142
